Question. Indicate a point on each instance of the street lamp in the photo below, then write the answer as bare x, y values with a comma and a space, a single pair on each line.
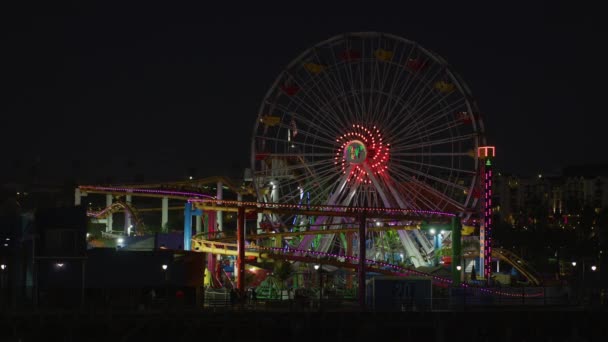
164, 266
574, 264
3, 267
593, 268
459, 267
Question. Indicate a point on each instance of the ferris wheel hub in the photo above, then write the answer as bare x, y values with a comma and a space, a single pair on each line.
355, 152
364, 152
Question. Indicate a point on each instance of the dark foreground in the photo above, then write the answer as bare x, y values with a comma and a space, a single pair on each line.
494, 325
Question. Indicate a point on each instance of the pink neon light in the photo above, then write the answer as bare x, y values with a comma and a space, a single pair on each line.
402, 270
144, 191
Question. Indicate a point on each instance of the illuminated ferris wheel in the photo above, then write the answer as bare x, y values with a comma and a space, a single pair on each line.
367, 119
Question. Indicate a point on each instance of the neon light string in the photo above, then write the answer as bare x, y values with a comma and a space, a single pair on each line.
403, 271
331, 208
145, 191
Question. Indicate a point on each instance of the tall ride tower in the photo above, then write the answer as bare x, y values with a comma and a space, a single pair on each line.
486, 155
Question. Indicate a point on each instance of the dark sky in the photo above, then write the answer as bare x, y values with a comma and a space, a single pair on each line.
110, 91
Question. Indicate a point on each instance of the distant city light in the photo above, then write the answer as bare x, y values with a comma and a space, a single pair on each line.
190, 177
540, 176
3, 267
574, 264
59, 264
432, 231
164, 267
120, 240
593, 268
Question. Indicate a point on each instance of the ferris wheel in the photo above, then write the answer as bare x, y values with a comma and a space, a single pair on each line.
367, 119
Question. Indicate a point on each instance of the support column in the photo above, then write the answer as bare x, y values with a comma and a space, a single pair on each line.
239, 197
164, 215
456, 249
436, 247
240, 259
77, 197
109, 218
349, 252
220, 214
210, 256
199, 224
187, 226
128, 223
361, 294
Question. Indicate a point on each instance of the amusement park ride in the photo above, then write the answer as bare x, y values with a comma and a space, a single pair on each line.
362, 137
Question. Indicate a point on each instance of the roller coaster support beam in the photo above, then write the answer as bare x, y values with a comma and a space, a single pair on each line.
164, 215
349, 252
187, 226
109, 218
456, 249
361, 292
188, 213
128, 220
220, 214
77, 197
240, 259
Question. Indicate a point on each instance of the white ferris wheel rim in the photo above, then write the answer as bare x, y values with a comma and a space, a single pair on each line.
461, 87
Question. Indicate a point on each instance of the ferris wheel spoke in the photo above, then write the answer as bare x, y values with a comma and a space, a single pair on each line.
446, 126
447, 168
416, 92
443, 112
402, 71
438, 142
326, 104
431, 177
423, 197
289, 169
425, 117
336, 82
307, 133
329, 131
284, 141
313, 110
350, 81
412, 193
430, 154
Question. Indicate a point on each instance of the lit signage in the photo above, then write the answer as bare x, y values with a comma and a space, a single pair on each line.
355, 152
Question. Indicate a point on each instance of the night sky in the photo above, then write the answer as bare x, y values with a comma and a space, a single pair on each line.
112, 91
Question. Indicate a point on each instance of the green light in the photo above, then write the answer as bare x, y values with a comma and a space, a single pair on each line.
488, 163
355, 152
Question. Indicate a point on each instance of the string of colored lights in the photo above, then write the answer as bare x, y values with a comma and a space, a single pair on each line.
329, 208
397, 269
84, 188
488, 219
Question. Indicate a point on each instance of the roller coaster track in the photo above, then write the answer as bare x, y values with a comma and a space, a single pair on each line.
343, 261
138, 223
515, 261
144, 192
518, 263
